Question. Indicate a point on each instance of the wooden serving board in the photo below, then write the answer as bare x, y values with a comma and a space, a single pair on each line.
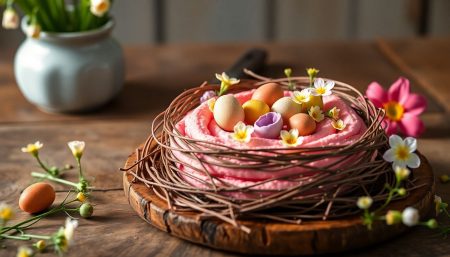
275, 238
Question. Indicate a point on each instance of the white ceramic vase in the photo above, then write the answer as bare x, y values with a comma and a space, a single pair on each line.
70, 72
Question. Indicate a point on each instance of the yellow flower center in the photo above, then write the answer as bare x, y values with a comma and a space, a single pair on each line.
6, 213
321, 90
23, 254
394, 111
291, 140
102, 6
300, 98
241, 134
402, 153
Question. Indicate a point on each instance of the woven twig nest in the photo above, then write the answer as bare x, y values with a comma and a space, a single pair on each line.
329, 193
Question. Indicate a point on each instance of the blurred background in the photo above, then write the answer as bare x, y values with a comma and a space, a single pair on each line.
208, 21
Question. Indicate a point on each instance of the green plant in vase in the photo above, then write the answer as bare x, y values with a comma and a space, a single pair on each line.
72, 39
56, 16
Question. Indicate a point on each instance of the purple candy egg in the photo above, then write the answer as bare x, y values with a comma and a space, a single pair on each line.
269, 125
207, 95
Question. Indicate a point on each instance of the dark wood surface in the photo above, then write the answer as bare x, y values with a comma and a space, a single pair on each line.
155, 74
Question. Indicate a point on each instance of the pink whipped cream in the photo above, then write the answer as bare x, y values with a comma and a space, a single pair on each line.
199, 124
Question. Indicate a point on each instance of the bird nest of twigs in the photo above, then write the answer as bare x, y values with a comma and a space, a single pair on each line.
330, 193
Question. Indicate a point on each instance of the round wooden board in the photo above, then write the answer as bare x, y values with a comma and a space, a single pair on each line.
275, 238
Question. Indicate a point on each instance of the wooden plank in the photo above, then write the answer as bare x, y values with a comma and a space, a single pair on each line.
116, 229
416, 59
134, 22
312, 20
440, 18
385, 18
215, 21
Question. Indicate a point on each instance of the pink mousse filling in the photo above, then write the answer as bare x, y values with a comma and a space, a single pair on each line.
199, 124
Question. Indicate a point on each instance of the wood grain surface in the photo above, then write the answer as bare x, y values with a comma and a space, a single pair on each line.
155, 74
269, 237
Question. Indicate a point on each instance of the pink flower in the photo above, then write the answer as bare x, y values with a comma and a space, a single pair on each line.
402, 107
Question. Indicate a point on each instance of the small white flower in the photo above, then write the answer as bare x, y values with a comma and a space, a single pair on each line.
401, 173
437, 204
77, 148
10, 19
224, 78
33, 31
301, 97
316, 113
338, 124
290, 138
24, 251
364, 202
312, 72
402, 153
321, 88
334, 113
225, 82
100, 7
6, 212
69, 229
64, 236
32, 148
242, 132
410, 216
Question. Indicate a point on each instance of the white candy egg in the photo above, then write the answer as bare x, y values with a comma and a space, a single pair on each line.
286, 107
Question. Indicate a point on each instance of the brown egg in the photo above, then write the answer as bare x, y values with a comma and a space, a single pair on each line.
303, 123
37, 197
268, 93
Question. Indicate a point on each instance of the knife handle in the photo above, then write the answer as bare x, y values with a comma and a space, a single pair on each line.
254, 59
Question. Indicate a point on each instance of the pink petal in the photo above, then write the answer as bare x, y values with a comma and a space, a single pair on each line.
415, 104
376, 93
411, 125
391, 127
399, 91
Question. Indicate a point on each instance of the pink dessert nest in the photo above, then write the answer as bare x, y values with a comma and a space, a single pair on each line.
194, 166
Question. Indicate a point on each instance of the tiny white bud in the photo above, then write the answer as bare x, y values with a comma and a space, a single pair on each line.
77, 148
33, 31
401, 173
410, 216
10, 19
100, 7
364, 202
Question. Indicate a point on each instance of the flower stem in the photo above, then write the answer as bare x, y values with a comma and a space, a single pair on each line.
390, 196
37, 217
37, 236
446, 212
42, 164
15, 237
80, 172
50, 177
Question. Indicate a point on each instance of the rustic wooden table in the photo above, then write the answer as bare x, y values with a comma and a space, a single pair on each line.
156, 74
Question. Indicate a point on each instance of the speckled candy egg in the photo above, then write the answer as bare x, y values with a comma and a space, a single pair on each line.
253, 109
37, 197
303, 123
286, 107
227, 112
268, 93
